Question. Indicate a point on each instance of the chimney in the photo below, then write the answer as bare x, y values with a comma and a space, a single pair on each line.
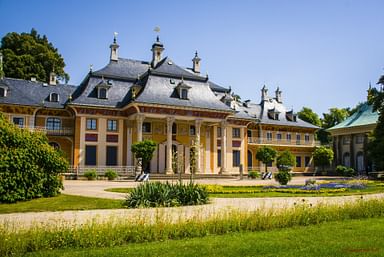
114, 46
264, 93
52, 78
278, 95
196, 63
157, 49
33, 79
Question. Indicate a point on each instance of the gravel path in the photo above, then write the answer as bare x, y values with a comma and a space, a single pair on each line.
218, 205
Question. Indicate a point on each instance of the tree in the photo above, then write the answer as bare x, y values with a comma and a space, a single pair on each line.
306, 114
144, 150
266, 155
334, 117
322, 156
285, 161
29, 55
376, 146
29, 166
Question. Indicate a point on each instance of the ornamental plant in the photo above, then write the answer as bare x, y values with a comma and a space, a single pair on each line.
29, 166
110, 174
266, 155
322, 156
144, 150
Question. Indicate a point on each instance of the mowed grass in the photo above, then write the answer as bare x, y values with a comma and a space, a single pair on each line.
61, 203
344, 238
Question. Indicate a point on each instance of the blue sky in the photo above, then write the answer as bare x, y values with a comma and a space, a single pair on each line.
321, 54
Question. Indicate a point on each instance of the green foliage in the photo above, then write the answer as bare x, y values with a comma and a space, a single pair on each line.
266, 155
322, 156
253, 174
90, 175
376, 146
306, 114
29, 166
285, 161
110, 174
144, 150
163, 227
29, 55
345, 171
334, 117
157, 194
283, 177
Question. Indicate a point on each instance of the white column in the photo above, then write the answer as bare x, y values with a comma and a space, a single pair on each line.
223, 147
139, 121
197, 142
168, 169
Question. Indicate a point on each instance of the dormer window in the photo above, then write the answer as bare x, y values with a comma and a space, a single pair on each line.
182, 89
3, 91
54, 97
102, 89
291, 116
273, 114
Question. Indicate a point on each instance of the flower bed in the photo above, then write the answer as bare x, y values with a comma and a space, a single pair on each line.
216, 189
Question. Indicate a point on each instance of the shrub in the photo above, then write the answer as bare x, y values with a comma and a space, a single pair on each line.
283, 177
91, 175
285, 161
110, 174
345, 171
157, 194
253, 174
29, 166
310, 181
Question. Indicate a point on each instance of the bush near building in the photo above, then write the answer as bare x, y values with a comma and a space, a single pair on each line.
29, 166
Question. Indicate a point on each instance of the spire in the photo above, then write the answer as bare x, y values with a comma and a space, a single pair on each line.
114, 46
196, 63
278, 95
264, 93
157, 49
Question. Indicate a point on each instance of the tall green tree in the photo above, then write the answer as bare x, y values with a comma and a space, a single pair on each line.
322, 156
334, 117
144, 150
266, 155
29, 55
376, 146
306, 114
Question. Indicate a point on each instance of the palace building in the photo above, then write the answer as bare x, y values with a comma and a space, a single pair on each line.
96, 122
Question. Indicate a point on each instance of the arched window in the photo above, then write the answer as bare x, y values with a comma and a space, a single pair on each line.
102, 93
347, 160
53, 124
54, 97
54, 145
360, 166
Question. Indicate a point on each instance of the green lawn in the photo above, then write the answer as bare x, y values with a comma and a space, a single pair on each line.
347, 238
61, 203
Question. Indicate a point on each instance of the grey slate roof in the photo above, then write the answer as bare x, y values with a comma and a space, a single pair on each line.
30, 93
160, 90
123, 69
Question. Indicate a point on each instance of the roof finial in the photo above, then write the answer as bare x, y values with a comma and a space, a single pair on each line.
196, 55
157, 30
114, 37
90, 68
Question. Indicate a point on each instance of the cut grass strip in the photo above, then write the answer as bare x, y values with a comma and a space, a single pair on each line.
14, 241
352, 238
61, 203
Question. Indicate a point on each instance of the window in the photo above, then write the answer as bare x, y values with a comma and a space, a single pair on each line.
174, 129
289, 137
347, 159
249, 133
235, 158
3, 92
346, 140
359, 139
307, 161
111, 156
90, 154
102, 93
298, 139
147, 128
54, 97
218, 131
54, 145
298, 161
236, 132
218, 158
112, 125
276, 116
269, 136
184, 93
192, 130
278, 136
306, 138
91, 124
18, 121
53, 124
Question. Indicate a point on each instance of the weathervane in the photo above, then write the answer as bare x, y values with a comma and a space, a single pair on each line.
114, 36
